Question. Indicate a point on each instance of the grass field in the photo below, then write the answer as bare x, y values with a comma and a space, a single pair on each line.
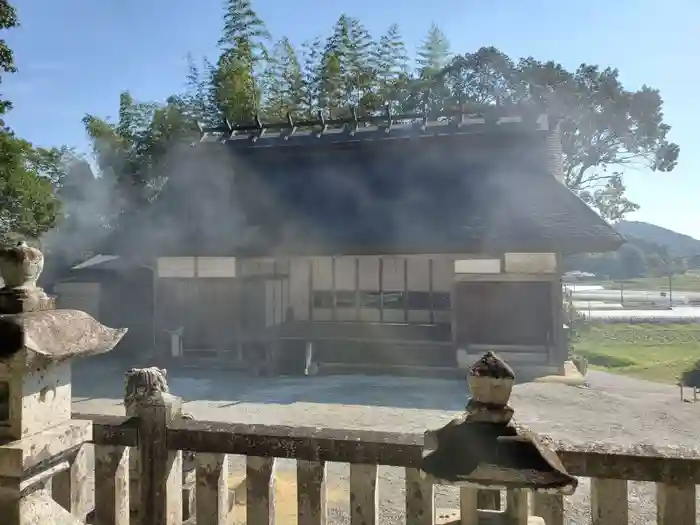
689, 282
654, 352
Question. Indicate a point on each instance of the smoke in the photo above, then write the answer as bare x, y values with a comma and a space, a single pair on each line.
400, 197
213, 198
88, 207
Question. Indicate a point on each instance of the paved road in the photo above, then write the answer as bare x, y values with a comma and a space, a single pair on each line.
614, 409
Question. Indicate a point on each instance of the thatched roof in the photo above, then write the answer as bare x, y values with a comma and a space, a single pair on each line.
436, 191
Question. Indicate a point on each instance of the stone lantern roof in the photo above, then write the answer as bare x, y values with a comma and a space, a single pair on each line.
29, 322
485, 448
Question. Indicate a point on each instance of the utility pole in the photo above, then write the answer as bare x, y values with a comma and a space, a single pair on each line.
622, 293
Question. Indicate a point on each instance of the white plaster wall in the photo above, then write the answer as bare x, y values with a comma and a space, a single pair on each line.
260, 266
369, 273
418, 273
176, 267
531, 263
322, 273
345, 270
393, 274
281, 266
477, 266
216, 266
443, 272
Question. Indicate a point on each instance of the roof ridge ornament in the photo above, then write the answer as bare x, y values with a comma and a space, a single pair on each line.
461, 120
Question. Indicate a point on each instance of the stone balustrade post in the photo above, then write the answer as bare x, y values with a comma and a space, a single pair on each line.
159, 469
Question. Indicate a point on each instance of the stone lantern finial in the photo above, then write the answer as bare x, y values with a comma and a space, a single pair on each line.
20, 268
484, 448
490, 381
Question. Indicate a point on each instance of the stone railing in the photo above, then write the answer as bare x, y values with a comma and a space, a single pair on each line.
160, 498
46, 473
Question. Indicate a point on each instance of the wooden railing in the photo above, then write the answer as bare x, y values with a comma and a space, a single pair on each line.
159, 447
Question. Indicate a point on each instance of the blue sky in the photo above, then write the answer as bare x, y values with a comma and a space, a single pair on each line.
76, 56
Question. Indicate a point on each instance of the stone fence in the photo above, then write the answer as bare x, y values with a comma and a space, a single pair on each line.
160, 497
144, 460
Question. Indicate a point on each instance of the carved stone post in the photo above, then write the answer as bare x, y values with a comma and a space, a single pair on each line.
485, 450
159, 469
137, 382
38, 438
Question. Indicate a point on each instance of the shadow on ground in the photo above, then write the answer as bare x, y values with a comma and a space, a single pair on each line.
103, 378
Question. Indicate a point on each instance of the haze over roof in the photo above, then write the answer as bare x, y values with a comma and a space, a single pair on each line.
436, 192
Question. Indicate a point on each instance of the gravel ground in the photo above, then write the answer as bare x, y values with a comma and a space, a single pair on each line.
613, 409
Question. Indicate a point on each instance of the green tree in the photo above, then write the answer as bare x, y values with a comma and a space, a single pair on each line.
243, 46
331, 93
632, 262
391, 64
360, 81
198, 100
282, 81
28, 207
133, 152
605, 128
347, 76
8, 20
433, 53
311, 67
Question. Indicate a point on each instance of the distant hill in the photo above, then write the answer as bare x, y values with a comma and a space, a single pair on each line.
650, 251
677, 244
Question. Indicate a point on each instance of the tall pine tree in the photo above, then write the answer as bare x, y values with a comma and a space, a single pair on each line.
282, 82
390, 60
198, 100
433, 53
346, 68
243, 46
311, 67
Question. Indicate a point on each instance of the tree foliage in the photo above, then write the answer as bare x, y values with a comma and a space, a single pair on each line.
606, 129
133, 151
28, 206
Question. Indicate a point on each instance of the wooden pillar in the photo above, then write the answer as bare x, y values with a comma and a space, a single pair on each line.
559, 352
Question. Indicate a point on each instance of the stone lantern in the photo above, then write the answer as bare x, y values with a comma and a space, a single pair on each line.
485, 449
37, 344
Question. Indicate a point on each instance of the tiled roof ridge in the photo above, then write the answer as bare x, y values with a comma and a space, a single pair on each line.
371, 128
